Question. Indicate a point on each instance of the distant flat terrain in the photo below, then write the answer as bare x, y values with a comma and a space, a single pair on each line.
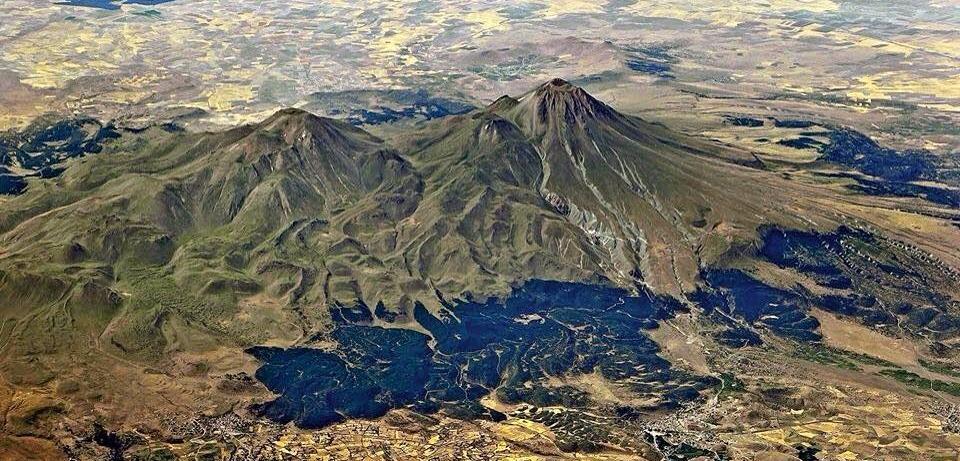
888, 67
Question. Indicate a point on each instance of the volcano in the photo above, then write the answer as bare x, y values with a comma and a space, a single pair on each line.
487, 254
310, 211
636, 201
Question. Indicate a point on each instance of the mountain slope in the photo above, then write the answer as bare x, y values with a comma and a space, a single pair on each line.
187, 211
657, 202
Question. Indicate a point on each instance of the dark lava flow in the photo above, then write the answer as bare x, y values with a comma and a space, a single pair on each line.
881, 283
43, 147
511, 346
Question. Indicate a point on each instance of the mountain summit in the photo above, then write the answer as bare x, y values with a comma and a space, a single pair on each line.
558, 104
